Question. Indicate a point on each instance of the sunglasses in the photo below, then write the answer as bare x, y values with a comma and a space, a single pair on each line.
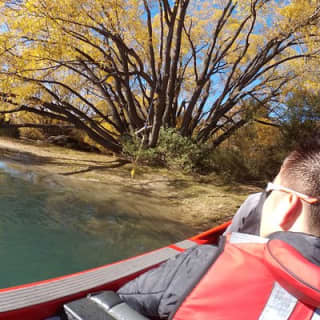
276, 187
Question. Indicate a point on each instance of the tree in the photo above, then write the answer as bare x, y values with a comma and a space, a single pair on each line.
140, 65
298, 117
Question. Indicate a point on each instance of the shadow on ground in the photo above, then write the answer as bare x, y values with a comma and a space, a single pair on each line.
110, 165
29, 158
25, 157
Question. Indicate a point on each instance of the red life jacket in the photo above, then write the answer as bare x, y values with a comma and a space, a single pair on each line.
250, 281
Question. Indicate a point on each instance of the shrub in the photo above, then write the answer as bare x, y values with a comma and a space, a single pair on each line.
6, 130
9, 132
253, 154
233, 164
172, 151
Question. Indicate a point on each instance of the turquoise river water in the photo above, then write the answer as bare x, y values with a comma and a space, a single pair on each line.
48, 230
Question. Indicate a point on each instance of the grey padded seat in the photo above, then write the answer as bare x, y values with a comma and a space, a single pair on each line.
104, 305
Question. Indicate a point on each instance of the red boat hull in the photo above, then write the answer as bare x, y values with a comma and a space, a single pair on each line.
39, 300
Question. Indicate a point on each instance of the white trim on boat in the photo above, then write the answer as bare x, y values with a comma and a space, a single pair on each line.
186, 244
37, 293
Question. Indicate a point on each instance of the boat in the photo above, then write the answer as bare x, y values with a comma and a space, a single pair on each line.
45, 299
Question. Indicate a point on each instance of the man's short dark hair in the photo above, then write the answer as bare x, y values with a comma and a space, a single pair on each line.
301, 172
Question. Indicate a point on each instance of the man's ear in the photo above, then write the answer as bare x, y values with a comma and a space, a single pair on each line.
294, 209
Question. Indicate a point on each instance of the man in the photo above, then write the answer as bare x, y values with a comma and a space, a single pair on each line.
249, 277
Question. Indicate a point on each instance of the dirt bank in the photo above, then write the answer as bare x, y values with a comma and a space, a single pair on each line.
197, 201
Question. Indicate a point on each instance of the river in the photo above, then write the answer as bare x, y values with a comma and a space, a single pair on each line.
49, 229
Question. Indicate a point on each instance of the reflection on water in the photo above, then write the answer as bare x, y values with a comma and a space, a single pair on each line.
47, 230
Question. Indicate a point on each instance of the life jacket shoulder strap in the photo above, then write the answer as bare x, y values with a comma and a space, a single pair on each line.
237, 237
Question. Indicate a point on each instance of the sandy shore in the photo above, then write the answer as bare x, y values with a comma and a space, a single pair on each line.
197, 201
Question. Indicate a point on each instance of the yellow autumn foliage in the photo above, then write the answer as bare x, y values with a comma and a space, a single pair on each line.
76, 52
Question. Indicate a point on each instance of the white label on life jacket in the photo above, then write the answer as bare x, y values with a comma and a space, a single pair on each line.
279, 305
237, 237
